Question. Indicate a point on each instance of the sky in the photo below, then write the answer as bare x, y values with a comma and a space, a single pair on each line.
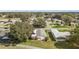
39, 5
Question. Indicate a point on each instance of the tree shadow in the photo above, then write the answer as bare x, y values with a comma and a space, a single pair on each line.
51, 36
8, 42
65, 45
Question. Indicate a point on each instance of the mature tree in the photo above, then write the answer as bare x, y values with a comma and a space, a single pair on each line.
21, 31
22, 15
73, 15
39, 23
58, 16
67, 19
74, 37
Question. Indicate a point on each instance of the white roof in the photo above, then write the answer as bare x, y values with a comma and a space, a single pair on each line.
5, 37
58, 34
40, 32
55, 32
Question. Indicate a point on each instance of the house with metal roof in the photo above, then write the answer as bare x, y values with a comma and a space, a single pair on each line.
59, 36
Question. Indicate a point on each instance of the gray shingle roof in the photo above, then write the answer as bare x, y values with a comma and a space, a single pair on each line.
41, 32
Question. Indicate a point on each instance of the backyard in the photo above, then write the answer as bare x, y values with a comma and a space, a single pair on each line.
42, 44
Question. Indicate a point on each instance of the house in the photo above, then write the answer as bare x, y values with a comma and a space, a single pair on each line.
47, 18
5, 26
59, 36
5, 23
73, 24
32, 18
39, 34
58, 22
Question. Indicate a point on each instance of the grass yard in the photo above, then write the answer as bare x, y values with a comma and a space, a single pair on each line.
64, 30
49, 44
11, 47
56, 26
41, 44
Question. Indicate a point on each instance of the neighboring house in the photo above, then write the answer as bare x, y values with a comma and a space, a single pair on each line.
39, 34
5, 26
5, 23
47, 18
4, 16
9, 20
32, 19
57, 22
77, 21
14, 20
74, 24
59, 36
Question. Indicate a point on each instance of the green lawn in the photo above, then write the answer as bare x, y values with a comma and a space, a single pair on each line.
41, 44
64, 30
49, 44
10, 47
3, 25
56, 26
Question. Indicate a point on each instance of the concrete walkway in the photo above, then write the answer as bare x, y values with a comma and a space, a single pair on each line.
27, 46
